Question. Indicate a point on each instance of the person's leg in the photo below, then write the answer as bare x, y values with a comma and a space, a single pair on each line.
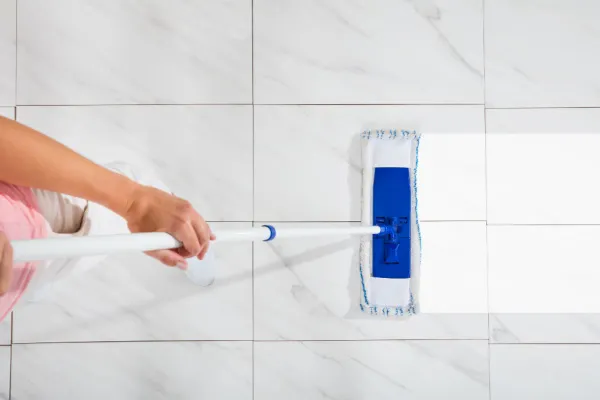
71, 216
63, 213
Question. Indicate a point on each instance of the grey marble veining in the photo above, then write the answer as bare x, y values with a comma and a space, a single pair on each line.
530, 327
383, 51
318, 149
202, 153
134, 52
541, 53
153, 371
544, 372
307, 289
486, 198
133, 297
364, 370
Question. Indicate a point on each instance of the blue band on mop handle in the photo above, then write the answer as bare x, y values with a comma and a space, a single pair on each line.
391, 211
272, 233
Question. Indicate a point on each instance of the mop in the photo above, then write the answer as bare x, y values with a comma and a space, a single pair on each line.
390, 247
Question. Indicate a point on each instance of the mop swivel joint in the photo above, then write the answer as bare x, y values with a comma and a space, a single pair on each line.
394, 231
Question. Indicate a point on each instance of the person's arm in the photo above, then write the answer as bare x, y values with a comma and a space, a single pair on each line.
29, 158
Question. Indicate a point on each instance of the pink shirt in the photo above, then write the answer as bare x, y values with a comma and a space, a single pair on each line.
20, 218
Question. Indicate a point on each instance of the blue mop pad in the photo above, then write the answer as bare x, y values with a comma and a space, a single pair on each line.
390, 261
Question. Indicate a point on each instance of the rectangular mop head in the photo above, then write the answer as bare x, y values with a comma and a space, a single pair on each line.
390, 261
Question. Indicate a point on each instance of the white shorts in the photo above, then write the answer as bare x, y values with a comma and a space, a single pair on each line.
71, 216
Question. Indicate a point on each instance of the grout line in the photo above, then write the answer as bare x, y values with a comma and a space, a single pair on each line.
487, 279
12, 327
135, 105
252, 44
423, 220
540, 107
487, 247
136, 341
10, 374
557, 225
546, 343
246, 104
302, 104
368, 340
253, 184
490, 371
16, 52
348, 222
372, 104
250, 341
308, 341
230, 221
253, 368
452, 220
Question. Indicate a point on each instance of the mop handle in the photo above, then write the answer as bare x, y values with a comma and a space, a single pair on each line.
79, 246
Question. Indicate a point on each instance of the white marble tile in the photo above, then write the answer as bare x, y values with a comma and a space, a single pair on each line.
136, 298
8, 51
383, 51
150, 370
539, 164
317, 150
544, 372
134, 52
308, 289
408, 370
7, 112
541, 53
5, 330
203, 153
547, 271
545, 328
4, 372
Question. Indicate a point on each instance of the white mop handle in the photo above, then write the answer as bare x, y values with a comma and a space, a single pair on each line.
79, 246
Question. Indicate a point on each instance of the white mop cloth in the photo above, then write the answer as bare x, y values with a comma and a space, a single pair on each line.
383, 296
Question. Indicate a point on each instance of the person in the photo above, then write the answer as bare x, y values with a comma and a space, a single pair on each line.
30, 161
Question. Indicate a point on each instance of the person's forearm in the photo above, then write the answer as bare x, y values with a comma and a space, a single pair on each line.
29, 158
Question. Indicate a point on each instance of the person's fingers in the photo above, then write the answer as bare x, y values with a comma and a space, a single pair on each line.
169, 257
6, 261
203, 251
190, 240
203, 233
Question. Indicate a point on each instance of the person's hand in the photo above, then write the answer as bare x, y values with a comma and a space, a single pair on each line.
6, 262
152, 210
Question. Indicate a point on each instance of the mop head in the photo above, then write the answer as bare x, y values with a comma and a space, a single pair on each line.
390, 261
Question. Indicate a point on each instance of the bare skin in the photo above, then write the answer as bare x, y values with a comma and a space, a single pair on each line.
29, 158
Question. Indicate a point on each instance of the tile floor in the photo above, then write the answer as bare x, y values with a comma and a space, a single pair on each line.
250, 109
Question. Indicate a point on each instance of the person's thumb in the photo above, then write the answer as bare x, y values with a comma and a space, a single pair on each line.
169, 257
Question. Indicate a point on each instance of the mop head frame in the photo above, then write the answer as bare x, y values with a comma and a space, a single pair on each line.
390, 261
